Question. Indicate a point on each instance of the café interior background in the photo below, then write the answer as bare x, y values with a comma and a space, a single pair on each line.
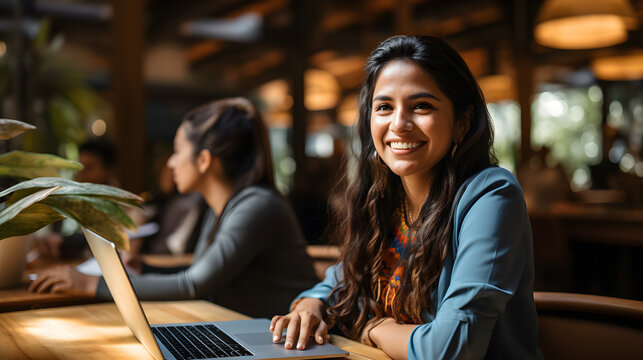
567, 111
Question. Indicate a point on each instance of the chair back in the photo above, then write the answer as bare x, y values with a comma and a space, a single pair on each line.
578, 326
323, 256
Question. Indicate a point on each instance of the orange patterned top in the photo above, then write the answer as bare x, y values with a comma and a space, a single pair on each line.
391, 274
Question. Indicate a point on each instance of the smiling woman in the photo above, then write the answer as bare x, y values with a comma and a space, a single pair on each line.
455, 281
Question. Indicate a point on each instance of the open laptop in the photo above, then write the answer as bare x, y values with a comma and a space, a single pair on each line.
243, 339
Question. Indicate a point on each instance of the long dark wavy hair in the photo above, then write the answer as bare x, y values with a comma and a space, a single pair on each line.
373, 195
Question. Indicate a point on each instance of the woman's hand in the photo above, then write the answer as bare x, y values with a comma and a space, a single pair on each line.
64, 279
305, 320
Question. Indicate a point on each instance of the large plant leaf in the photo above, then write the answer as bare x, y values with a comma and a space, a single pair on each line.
102, 216
103, 203
121, 201
12, 210
29, 220
12, 128
17, 195
70, 187
21, 164
109, 208
97, 221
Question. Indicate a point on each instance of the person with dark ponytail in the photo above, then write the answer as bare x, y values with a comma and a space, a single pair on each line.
251, 255
437, 255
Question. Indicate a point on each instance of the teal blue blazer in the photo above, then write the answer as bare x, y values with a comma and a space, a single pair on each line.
484, 304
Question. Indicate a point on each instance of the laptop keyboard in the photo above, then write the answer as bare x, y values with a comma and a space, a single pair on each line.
199, 342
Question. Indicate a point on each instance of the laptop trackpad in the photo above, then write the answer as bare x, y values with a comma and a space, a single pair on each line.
260, 338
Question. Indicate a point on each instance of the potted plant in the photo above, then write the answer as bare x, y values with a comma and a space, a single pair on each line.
41, 196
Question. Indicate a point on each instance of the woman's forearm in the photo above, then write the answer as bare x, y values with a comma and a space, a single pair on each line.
392, 338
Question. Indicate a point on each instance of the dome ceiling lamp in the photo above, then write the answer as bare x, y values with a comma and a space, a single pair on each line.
497, 87
581, 24
619, 68
321, 90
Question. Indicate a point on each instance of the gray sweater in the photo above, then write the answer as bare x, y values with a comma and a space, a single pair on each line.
256, 264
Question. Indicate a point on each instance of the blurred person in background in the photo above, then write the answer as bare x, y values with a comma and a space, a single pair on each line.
251, 255
98, 157
543, 185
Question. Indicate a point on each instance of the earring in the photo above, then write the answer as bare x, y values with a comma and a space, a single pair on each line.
453, 150
375, 155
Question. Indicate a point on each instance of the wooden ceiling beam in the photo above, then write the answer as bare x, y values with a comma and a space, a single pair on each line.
481, 36
442, 9
166, 16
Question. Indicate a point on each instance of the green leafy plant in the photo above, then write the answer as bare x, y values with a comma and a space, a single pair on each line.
41, 198
56, 97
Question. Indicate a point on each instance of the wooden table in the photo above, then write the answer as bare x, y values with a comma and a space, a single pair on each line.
97, 331
18, 298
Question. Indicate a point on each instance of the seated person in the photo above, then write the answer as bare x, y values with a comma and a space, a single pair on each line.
437, 258
251, 255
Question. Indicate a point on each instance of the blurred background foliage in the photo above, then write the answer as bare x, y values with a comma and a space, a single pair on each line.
57, 99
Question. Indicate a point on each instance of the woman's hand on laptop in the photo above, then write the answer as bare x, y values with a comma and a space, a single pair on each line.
304, 321
65, 279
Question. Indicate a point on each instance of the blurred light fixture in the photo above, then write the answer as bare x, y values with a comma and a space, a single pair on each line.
74, 10
275, 94
99, 127
321, 91
582, 24
277, 103
617, 68
3, 48
347, 113
497, 87
244, 28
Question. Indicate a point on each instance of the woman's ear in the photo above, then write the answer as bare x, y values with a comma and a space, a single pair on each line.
463, 125
203, 161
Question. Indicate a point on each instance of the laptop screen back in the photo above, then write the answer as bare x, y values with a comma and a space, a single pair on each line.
122, 291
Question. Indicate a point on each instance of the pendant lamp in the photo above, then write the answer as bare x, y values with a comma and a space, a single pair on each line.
619, 68
497, 87
582, 24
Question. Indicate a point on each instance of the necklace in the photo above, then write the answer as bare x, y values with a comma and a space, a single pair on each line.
408, 212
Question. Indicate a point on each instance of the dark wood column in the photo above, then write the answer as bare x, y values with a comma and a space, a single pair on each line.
128, 91
522, 40
301, 43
